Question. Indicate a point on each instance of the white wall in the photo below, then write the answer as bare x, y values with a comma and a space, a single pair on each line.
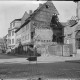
17, 23
43, 34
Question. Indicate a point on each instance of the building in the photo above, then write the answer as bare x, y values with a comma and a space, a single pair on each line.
36, 28
2, 46
15, 24
72, 31
23, 34
5, 38
69, 33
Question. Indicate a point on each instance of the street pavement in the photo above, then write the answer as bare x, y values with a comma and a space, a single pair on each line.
54, 67
47, 70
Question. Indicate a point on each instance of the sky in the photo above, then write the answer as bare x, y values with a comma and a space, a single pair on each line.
10, 10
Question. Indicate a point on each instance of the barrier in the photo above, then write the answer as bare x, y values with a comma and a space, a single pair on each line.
60, 50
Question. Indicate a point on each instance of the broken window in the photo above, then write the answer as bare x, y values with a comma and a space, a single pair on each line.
32, 35
54, 38
47, 6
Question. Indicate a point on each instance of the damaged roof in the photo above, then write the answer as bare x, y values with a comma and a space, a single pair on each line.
35, 12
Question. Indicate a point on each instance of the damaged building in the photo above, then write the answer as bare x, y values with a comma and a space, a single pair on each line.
41, 28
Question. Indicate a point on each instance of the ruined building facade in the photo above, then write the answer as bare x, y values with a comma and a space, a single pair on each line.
36, 29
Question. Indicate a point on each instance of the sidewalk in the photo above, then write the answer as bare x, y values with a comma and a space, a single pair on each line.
58, 58
42, 59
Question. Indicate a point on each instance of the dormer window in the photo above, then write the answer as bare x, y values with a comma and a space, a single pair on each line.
47, 6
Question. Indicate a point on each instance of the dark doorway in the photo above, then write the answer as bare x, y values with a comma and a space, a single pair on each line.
77, 38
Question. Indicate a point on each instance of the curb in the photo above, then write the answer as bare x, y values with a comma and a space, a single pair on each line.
73, 61
45, 79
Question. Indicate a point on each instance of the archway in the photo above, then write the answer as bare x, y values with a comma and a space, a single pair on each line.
77, 39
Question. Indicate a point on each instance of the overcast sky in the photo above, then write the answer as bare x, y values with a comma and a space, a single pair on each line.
10, 10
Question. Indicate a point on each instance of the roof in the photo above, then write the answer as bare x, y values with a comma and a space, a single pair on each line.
10, 29
5, 36
35, 12
72, 23
25, 16
16, 20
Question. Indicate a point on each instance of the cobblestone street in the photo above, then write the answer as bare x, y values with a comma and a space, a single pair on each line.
12, 67
49, 70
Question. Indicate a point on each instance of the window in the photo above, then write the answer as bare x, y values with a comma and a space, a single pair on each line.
9, 41
27, 36
47, 40
32, 35
54, 38
12, 41
10, 24
13, 24
12, 33
47, 6
27, 26
23, 38
9, 33
38, 40
69, 35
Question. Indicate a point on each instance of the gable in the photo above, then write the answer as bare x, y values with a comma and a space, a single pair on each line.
42, 14
45, 13
25, 16
49, 7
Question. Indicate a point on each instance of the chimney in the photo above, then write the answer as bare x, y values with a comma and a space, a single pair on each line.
30, 12
78, 10
40, 5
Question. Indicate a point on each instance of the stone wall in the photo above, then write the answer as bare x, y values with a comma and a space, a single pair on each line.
57, 50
